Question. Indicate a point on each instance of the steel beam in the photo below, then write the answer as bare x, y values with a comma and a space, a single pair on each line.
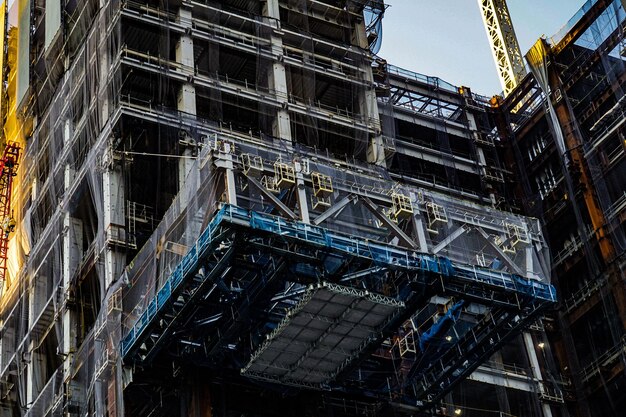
335, 209
457, 232
279, 204
404, 238
581, 26
508, 261
502, 378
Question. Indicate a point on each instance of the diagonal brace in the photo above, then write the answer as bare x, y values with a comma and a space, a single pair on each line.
399, 233
508, 261
279, 204
452, 237
335, 209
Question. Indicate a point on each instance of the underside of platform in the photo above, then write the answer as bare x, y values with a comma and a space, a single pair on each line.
293, 304
319, 337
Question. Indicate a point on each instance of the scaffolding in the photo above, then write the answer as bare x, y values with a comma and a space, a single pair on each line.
227, 189
194, 278
571, 125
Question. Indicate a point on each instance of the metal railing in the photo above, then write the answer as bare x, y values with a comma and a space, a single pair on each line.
431, 81
380, 253
583, 294
606, 359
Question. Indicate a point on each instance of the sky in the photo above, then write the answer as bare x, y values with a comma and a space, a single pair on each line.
447, 38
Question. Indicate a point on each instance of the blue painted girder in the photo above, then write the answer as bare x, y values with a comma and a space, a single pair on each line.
381, 254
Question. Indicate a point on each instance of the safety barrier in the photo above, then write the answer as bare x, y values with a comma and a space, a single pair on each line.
380, 253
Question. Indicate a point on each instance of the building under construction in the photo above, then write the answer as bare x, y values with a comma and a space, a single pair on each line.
236, 208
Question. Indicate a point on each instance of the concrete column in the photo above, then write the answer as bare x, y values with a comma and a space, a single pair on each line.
224, 161
104, 68
420, 233
28, 359
418, 229
114, 222
529, 251
480, 153
368, 105
376, 151
185, 165
230, 185
187, 95
187, 99
72, 255
38, 295
531, 350
281, 126
185, 57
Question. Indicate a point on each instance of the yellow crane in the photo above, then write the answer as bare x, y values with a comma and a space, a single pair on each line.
504, 44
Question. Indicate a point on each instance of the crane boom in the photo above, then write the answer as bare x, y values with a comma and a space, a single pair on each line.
504, 44
8, 168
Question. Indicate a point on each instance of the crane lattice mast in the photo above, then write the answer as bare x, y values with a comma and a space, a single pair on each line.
504, 44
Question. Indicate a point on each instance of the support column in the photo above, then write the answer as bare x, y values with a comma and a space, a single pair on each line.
419, 231
368, 105
303, 203
231, 191
536, 370
72, 255
39, 293
224, 160
531, 350
281, 126
103, 64
114, 222
421, 234
529, 251
27, 356
185, 57
480, 153
186, 102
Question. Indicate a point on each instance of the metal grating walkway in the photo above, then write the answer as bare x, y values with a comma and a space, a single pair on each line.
319, 337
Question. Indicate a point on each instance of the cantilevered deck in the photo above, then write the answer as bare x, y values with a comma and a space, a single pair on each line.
288, 268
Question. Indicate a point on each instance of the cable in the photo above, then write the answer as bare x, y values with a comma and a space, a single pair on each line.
499, 413
163, 155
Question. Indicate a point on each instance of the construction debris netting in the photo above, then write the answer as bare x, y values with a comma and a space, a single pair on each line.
74, 230
62, 172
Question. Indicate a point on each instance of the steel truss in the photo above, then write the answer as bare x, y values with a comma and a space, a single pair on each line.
250, 274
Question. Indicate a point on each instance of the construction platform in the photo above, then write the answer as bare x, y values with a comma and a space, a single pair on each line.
348, 297
319, 336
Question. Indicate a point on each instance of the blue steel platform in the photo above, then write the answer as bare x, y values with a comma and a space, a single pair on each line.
509, 294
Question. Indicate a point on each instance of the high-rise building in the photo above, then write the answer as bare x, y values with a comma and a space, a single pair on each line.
566, 137
235, 208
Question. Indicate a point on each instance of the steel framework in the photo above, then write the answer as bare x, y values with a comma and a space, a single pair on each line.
8, 166
199, 301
